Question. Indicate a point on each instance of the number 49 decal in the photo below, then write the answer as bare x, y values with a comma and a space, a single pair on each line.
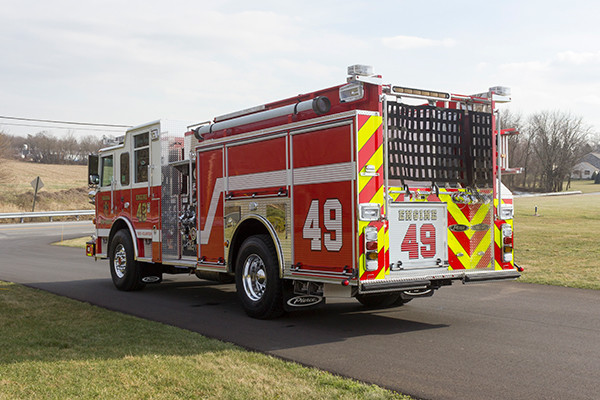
423, 242
332, 219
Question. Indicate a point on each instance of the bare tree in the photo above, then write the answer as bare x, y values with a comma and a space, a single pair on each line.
4, 146
558, 139
89, 145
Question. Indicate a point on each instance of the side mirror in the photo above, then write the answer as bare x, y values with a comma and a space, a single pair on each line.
93, 176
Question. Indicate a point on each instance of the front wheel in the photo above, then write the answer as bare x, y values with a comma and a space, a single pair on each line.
257, 278
124, 269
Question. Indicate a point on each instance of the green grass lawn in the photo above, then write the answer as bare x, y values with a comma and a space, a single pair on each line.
586, 186
57, 348
560, 246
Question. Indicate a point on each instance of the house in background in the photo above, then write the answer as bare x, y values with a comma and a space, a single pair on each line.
583, 170
586, 167
592, 158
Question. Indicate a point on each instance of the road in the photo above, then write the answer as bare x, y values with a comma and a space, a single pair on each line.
495, 340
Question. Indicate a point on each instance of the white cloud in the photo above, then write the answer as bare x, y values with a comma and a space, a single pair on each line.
414, 42
526, 66
579, 58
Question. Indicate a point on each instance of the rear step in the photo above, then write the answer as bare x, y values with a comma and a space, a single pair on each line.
491, 275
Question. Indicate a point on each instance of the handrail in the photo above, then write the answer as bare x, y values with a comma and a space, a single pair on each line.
47, 214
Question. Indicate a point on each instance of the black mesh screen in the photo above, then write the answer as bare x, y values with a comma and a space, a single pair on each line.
439, 145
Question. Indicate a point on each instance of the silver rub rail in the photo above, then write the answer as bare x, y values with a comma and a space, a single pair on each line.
46, 214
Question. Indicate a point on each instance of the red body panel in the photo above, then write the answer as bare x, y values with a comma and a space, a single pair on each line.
251, 158
331, 203
210, 198
323, 210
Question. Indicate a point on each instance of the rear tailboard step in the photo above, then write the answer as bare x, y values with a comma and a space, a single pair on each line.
491, 275
389, 285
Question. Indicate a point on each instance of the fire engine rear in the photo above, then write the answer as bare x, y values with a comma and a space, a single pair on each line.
367, 190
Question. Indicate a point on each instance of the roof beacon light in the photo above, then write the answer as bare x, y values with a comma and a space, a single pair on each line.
358, 69
500, 90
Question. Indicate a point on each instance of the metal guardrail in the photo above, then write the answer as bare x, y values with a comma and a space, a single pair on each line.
46, 214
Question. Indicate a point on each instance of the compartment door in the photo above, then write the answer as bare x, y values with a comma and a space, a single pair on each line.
324, 177
210, 205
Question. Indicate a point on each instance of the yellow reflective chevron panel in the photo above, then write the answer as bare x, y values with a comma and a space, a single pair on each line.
470, 230
370, 189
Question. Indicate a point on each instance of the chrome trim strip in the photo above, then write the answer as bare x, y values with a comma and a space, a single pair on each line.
479, 276
324, 173
257, 181
184, 263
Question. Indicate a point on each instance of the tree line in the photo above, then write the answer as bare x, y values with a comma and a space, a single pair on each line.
549, 145
45, 148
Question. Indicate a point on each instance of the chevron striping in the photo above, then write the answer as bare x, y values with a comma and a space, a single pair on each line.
367, 130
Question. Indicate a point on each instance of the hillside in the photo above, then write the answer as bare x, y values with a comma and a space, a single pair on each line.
65, 186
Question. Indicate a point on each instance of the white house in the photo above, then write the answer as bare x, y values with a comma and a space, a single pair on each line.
583, 170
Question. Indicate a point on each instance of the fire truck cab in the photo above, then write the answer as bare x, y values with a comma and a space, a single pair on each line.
367, 190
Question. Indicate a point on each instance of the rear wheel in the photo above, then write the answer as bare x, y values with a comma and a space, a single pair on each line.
124, 270
382, 300
257, 278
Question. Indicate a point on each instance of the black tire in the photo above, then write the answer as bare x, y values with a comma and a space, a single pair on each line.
383, 300
257, 278
126, 273
401, 301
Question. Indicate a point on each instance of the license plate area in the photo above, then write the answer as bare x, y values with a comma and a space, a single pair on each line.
418, 235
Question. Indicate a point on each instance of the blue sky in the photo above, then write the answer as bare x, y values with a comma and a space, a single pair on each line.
136, 61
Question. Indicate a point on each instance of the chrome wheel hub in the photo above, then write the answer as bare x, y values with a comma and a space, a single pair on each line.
254, 277
120, 263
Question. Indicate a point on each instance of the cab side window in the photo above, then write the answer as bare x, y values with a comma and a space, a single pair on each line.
106, 171
142, 157
124, 168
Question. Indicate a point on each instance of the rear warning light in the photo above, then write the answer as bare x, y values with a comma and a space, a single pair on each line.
351, 92
507, 249
371, 246
90, 248
369, 212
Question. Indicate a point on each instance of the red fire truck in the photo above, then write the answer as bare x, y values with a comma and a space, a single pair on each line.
367, 190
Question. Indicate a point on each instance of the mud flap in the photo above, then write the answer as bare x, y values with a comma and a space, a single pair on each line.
302, 296
151, 273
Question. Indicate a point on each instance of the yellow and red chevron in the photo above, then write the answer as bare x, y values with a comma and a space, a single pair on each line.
471, 248
370, 189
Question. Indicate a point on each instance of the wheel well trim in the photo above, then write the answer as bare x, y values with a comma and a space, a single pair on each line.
113, 231
271, 230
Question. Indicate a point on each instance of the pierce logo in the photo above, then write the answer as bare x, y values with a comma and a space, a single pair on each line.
304, 301
458, 228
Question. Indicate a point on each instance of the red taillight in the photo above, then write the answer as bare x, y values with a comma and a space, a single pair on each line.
371, 246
